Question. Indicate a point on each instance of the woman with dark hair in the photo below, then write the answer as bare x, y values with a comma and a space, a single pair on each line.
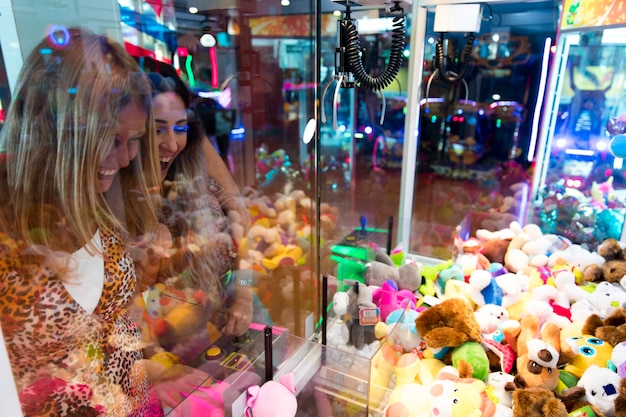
196, 206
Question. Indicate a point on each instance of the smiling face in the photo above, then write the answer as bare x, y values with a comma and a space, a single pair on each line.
170, 116
129, 131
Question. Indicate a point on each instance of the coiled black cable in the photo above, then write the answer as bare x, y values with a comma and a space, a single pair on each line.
353, 49
440, 58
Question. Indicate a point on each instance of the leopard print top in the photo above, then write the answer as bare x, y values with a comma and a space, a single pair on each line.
66, 361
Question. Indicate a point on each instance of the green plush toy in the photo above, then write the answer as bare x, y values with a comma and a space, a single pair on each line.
429, 275
475, 355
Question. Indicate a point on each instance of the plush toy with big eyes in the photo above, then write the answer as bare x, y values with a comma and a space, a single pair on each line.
590, 350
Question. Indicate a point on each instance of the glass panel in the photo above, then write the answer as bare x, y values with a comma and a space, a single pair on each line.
237, 245
478, 130
361, 139
580, 193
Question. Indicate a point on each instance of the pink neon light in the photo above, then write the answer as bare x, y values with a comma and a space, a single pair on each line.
214, 75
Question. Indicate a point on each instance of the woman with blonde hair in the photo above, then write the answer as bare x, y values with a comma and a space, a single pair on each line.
78, 175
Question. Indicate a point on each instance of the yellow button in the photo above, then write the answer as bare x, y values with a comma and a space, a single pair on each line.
213, 352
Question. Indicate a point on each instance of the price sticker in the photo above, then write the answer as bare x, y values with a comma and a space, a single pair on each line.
369, 316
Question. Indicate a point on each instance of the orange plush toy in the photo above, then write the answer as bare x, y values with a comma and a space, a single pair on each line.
538, 353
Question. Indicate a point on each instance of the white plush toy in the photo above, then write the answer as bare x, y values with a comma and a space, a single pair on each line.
497, 381
601, 388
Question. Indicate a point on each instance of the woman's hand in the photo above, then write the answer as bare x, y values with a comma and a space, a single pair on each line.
148, 257
175, 382
240, 312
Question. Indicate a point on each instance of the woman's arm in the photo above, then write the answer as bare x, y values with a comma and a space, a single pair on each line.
230, 198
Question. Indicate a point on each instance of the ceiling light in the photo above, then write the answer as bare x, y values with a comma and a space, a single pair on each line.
208, 40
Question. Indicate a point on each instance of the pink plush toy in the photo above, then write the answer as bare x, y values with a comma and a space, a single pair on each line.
389, 298
273, 399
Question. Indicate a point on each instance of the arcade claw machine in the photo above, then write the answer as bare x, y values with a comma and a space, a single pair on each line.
579, 186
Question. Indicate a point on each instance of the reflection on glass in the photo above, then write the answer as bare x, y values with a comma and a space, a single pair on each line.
581, 196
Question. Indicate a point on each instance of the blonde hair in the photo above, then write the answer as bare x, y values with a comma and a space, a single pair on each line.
59, 128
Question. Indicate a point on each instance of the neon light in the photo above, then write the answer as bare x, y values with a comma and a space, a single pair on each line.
580, 152
192, 80
542, 88
215, 82
56, 40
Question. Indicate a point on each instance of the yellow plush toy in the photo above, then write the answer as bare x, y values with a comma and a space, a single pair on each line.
589, 351
452, 396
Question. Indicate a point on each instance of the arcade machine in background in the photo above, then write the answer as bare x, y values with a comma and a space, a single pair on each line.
579, 187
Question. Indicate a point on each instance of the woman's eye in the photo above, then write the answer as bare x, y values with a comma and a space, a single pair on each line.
161, 130
180, 129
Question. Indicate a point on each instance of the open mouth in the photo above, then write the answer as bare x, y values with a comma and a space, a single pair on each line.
105, 174
164, 161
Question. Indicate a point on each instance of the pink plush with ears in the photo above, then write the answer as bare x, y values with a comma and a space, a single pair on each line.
389, 298
273, 399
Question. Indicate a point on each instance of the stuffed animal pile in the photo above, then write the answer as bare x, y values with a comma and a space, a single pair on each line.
518, 323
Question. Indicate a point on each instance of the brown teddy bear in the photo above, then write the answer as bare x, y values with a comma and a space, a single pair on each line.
534, 401
448, 324
612, 329
614, 267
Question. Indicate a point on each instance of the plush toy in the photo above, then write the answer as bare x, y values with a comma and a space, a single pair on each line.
406, 276
490, 317
407, 398
535, 401
410, 277
451, 327
399, 328
452, 396
389, 298
538, 353
613, 265
529, 247
496, 383
360, 300
601, 388
429, 276
180, 321
612, 329
448, 324
607, 297
272, 399
588, 350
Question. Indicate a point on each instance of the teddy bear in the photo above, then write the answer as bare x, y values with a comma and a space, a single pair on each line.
534, 401
449, 323
612, 329
613, 268
452, 334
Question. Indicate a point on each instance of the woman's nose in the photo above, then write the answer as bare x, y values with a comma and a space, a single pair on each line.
167, 140
123, 156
